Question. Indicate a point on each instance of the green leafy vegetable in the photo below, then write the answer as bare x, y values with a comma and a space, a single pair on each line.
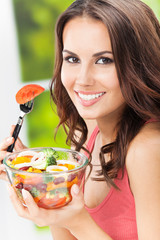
50, 156
35, 192
47, 179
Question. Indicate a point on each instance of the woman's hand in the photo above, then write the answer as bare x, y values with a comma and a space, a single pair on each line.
3, 151
67, 216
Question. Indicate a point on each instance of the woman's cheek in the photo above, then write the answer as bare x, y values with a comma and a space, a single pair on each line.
68, 76
65, 75
62, 74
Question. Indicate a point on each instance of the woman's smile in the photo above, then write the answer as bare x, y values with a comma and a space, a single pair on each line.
89, 98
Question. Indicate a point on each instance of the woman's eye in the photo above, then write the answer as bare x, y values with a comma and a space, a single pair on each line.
72, 59
104, 60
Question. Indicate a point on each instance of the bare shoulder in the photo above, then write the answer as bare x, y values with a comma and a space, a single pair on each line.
143, 157
144, 150
146, 142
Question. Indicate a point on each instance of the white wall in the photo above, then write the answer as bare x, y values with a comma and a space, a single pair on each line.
9, 69
11, 226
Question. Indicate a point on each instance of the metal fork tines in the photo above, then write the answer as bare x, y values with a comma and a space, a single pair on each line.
25, 109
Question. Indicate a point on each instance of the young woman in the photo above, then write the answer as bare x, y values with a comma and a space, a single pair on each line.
107, 72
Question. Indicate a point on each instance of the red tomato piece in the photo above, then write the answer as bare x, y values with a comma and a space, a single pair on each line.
28, 92
49, 203
33, 180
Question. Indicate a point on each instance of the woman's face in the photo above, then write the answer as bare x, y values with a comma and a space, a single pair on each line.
88, 70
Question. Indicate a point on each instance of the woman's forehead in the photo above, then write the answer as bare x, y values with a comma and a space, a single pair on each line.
86, 31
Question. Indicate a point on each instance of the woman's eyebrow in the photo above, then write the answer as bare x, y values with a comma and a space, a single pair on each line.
101, 53
94, 55
67, 51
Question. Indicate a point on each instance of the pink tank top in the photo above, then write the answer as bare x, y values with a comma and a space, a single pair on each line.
116, 213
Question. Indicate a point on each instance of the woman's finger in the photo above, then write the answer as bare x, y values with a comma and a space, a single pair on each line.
19, 145
21, 210
33, 209
77, 195
3, 175
5, 143
3, 154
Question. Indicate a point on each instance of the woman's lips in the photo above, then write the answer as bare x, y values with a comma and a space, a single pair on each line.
89, 98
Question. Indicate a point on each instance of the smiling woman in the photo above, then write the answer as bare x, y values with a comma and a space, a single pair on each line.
106, 73
35, 23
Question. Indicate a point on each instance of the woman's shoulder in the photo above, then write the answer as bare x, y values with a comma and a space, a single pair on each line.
149, 135
143, 156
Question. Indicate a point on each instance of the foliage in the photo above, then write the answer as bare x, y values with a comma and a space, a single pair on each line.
155, 5
35, 22
42, 122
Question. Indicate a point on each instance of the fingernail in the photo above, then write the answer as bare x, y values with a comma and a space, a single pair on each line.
24, 193
9, 139
76, 189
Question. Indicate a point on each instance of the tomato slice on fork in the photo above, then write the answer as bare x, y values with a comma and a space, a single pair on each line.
28, 92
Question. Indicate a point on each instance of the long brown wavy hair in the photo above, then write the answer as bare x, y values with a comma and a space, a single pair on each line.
135, 38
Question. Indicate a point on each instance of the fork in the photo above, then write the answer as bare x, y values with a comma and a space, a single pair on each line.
25, 108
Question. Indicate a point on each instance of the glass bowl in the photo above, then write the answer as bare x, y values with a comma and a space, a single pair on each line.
49, 187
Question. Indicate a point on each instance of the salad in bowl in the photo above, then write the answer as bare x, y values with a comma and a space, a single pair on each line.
47, 173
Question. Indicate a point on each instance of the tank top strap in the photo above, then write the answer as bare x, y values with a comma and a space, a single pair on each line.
91, 141
152, 120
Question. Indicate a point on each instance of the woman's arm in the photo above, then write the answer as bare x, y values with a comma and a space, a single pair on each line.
88, 229
143, 165
59, 233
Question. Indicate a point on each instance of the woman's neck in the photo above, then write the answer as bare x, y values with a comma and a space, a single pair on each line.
108, 131
108, 125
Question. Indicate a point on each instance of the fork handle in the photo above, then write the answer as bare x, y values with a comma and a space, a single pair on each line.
15, 133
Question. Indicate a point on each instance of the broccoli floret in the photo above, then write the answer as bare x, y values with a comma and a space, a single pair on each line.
50, 160
35, 192
50, 151
50, 156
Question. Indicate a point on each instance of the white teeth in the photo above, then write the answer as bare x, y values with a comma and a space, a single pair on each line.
89, 97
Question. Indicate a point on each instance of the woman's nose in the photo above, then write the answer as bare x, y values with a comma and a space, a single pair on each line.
85, 76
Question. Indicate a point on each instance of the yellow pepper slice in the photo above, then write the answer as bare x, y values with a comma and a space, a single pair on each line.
22, 159
35, 170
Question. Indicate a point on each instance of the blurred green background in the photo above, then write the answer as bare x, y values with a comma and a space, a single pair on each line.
35, 21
